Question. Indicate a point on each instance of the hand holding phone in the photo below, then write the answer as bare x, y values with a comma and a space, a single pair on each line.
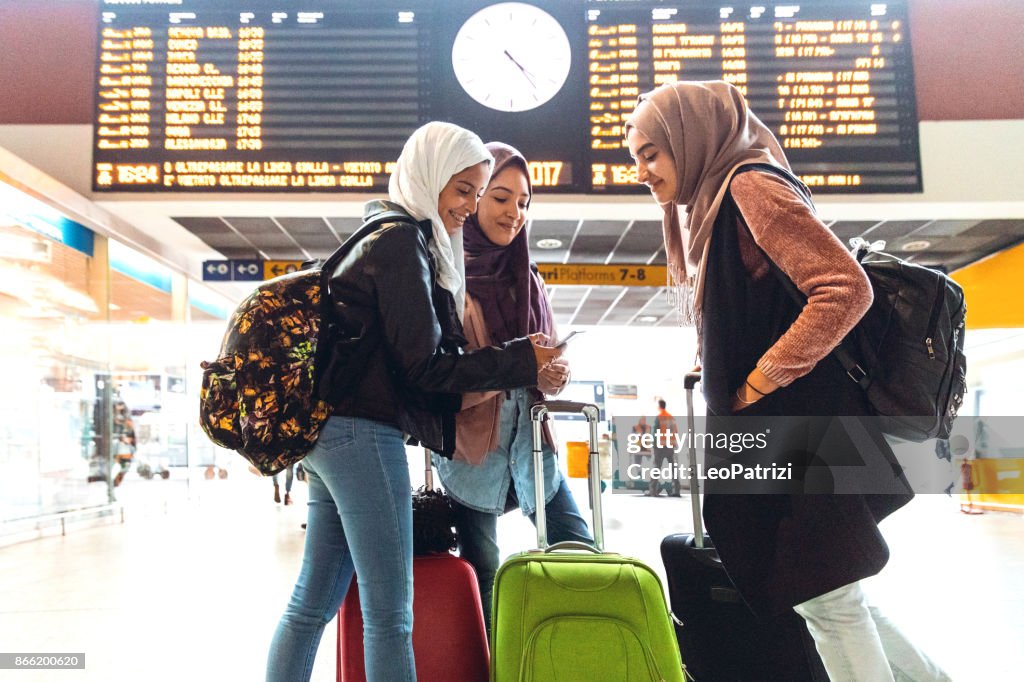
542, 352
565, 342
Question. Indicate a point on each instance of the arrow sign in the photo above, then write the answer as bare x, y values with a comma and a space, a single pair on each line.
276, 268
247, 270
216, 271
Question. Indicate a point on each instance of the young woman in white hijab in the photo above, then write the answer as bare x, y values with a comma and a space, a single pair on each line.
395, 372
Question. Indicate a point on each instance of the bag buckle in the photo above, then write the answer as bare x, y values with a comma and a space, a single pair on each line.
860, 244
857, 369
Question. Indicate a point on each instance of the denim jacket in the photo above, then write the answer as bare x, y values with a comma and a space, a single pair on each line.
485, 486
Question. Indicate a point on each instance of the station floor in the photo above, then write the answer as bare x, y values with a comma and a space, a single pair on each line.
193, 590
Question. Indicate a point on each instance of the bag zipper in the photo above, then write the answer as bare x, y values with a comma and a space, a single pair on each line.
940, 298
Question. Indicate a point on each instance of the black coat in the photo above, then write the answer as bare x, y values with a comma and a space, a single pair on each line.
396, 353
786, 545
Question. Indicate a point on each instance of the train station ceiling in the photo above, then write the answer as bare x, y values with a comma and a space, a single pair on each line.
949, 244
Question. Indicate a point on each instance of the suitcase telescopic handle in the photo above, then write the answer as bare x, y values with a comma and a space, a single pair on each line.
571, 407
689, 382
593, 414
428, 471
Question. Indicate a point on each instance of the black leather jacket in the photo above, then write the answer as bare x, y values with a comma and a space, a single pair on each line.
396, 353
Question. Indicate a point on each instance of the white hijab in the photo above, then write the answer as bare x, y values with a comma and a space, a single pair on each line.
431, 156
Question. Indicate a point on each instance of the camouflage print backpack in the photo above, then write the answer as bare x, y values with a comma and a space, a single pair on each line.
259, 397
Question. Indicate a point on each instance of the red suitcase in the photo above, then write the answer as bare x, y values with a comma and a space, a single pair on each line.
449, 638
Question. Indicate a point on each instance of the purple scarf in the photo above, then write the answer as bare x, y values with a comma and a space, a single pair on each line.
501, 279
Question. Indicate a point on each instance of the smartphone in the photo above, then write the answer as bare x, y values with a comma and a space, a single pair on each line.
564, 342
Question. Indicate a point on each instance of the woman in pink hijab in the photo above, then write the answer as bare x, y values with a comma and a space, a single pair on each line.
733, 212
492, 470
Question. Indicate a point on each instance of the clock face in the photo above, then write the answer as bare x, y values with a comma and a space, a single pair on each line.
511, 56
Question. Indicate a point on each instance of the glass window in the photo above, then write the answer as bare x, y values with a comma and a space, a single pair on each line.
51, 297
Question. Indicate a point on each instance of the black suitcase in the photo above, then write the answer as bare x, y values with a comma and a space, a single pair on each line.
720, 638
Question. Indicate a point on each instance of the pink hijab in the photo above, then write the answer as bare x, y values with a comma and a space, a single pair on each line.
710, 132
501, 279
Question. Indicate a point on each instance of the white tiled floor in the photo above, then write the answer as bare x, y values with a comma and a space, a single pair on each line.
195, 594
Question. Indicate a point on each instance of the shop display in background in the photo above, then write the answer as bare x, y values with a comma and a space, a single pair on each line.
48, 302
148, 426
95, 355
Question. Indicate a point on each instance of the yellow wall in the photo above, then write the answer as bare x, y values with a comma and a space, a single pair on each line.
999, 484
994, 289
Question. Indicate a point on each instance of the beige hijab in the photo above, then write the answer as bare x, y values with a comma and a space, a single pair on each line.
710, 132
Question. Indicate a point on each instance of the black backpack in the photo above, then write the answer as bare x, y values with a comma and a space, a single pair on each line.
907, 352
261, 397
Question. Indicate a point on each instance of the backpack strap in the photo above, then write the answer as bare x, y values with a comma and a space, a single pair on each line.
365, 230
841, 352
369, 341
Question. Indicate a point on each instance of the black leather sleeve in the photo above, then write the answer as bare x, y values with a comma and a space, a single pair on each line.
398, 267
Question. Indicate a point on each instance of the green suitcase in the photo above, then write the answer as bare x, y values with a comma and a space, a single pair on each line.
573, 612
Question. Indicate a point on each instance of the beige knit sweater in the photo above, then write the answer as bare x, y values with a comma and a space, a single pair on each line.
838, 292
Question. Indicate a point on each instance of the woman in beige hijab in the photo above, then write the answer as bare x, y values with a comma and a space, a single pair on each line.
733, 211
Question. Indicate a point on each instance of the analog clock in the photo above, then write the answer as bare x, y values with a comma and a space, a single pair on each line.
511, 56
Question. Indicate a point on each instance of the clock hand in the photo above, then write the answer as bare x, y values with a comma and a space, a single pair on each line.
526, 73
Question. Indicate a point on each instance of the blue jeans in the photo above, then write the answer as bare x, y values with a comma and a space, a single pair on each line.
360, 519
289, 477
478, 537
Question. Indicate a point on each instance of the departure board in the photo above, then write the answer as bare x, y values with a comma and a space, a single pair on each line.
832, 80
217, 96
269, 96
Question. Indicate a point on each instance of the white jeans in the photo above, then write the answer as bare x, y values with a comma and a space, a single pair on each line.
857, 643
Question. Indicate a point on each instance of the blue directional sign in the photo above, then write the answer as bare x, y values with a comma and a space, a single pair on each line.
247, 270
216, 271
